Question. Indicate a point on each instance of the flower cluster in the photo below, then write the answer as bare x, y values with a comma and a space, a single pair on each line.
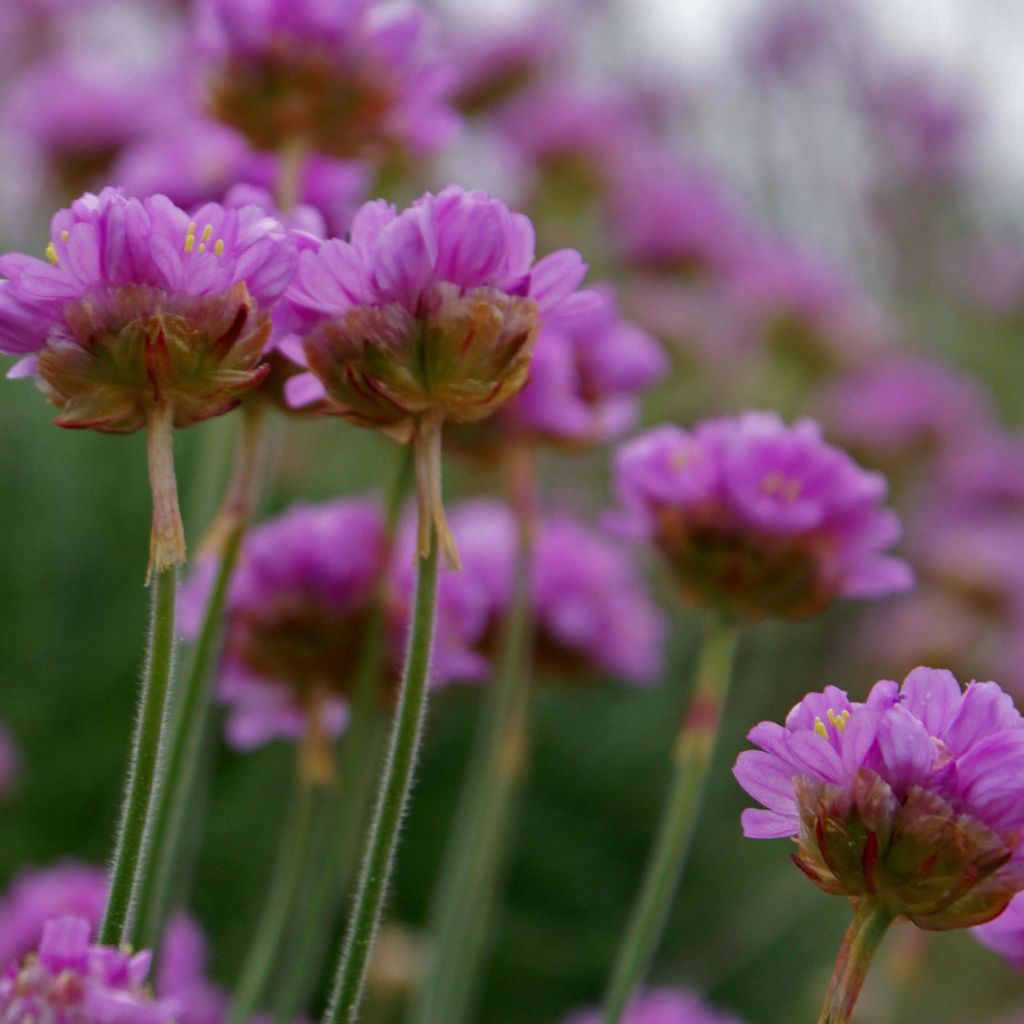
759, 519
71, 981
296, 611
349, 79
427, 316
914, 798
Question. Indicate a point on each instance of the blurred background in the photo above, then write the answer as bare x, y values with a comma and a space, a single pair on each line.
815, 206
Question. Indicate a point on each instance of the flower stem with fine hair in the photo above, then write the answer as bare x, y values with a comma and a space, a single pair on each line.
870, 923
399, 768
469, 887
693, 754
190, 721
132, 854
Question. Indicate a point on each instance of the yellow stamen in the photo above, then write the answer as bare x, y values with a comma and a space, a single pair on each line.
51, 253
219, 247
202, 247
64, 235
207, 232
190, 237
820, 728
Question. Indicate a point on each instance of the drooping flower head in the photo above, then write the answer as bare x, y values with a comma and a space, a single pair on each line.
662, 1006
71, 981
146, 316
914, 798
351, 78
295, 615
591, 610
426, 316
757, 518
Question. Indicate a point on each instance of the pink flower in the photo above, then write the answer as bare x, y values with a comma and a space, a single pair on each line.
915, 798
758, 518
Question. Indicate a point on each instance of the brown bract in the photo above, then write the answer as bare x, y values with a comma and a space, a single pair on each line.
143, 349
918, 858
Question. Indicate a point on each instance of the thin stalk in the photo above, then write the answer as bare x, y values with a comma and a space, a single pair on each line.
290, 870
693, 753
870, 923
359, 749
131, 855
292, 163
399, 767
467, 895
190, 722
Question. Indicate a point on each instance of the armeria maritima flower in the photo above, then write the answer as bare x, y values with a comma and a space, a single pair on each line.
426, 316
757, 518
662, 1006
913, 799
37, 896
351, 78
591, 609
71, 981
296, 611
1005, 934
146, 316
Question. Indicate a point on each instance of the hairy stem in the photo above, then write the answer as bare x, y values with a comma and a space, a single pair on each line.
132, 854
399, 768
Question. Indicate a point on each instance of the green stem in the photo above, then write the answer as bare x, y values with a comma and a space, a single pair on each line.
290, 870
190, 722
468, 892
693, 754
132, 853
360, 747
399, 767
870, 923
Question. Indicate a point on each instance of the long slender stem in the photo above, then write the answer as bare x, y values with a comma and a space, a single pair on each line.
131, 855
190, 723
291, 164
693, 753
360, 749
467, 894
870, 923
289, 873
403, 750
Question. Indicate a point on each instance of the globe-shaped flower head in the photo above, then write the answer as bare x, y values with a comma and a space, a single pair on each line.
913, 799
146, 316
426, 316
349, 78
70, 981
760, 519
296, 611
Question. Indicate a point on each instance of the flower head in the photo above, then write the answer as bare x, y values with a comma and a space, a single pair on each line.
662, 1006
591, 610
37, 895
146, 316
347, 79
71, 981
295, 615
758, 518
429, 315
914, 797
